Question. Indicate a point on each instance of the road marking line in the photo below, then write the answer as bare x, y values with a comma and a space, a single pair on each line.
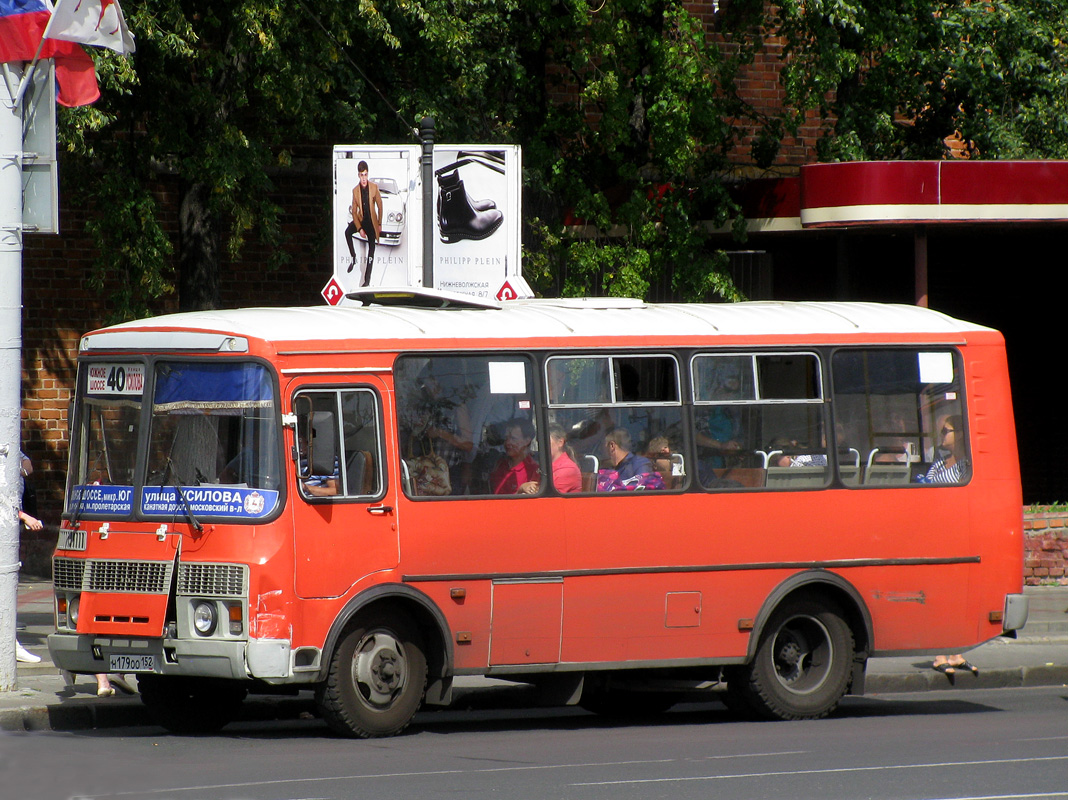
828, 771
431, 773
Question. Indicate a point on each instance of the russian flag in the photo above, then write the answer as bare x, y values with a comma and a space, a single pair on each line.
22, 24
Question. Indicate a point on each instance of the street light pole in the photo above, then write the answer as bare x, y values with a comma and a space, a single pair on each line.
426, 135
10, 369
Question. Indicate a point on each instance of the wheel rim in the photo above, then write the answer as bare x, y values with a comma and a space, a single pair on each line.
802, 654
379, 669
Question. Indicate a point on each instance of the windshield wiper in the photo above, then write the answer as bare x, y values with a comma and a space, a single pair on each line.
181, 495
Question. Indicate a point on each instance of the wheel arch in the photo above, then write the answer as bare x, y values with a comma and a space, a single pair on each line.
820, 584
424, 613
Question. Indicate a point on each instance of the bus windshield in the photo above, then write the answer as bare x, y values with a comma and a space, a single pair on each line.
211, 439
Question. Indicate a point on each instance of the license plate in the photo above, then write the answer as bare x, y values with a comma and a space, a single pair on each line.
120, 662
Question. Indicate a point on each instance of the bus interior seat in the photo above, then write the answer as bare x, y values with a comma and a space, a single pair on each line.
588, 467
796, 477
849, 466
850, 474
887, 475
359, 473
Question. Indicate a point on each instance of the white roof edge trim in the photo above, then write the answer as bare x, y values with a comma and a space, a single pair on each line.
164, 340
581, 302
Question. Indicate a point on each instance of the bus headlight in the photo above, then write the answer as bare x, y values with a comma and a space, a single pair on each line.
72, 612
205, 618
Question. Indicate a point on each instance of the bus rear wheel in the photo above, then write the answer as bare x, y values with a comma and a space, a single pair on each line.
377, 677
191, 705
802, 663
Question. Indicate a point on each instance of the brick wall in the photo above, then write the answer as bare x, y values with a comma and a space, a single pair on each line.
1045, 546
59, 306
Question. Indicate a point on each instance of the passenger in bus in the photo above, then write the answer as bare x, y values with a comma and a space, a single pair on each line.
517, 466
785, 458
952, 465
446, 424
318, 485
567, 477
659, 453
718, 433
617, 446
322, 485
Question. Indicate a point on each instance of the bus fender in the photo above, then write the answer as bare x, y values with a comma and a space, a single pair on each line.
831, 584
426, 615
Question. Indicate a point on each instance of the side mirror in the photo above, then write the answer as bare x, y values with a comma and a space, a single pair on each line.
302, 454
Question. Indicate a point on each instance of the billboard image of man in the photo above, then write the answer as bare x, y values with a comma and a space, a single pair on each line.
366, 211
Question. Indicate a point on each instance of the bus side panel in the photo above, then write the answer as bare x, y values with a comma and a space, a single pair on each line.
996, 514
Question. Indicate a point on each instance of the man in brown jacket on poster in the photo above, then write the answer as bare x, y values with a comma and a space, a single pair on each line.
366, 211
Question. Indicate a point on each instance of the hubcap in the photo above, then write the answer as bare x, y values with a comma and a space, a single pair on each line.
379, 669
802, 654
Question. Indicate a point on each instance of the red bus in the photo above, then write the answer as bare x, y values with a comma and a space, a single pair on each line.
610, 499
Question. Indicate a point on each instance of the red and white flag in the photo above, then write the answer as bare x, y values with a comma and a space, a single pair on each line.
92, 22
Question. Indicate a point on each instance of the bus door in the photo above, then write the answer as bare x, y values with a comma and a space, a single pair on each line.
344, 504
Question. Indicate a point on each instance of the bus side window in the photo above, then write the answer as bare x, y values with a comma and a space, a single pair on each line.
759, 421
339, 455
900, 411
620, 419
360, 437
466, 425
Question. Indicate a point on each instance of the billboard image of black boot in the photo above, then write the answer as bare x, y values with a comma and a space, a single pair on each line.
459, 216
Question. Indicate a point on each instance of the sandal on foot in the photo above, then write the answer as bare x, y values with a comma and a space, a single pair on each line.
105, 691
945, 669
968, 665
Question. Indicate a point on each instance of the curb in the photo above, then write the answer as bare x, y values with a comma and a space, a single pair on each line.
1014, 678
92, 714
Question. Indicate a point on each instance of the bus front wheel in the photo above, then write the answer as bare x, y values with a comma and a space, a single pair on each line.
377, 677
802, 663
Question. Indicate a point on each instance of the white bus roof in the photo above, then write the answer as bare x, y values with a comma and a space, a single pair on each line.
598, 321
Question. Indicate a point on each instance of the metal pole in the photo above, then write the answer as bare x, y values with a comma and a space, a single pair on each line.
919, 254
426, 135
10, 372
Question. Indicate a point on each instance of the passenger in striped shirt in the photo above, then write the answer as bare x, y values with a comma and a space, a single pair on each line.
953, 466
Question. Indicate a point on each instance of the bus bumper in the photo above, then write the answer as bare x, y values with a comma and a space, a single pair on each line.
1015, 616
90, 654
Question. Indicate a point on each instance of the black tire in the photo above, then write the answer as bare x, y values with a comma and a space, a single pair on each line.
803, 662
377, 677
191, 705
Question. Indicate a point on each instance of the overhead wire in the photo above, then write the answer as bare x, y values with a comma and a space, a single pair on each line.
333, 39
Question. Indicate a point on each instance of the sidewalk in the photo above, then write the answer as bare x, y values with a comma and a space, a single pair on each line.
1039, 657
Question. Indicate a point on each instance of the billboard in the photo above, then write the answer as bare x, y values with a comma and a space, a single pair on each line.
378, 224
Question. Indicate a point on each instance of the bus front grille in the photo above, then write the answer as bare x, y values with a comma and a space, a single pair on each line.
108, 575
213, 580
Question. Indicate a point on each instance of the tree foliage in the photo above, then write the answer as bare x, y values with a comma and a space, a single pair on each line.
895, 77
624, 110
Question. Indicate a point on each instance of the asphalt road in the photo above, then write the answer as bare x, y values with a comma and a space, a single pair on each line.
1010, 743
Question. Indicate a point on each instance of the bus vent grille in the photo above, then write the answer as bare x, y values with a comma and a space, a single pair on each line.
213, 580
67, 573
141, 577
